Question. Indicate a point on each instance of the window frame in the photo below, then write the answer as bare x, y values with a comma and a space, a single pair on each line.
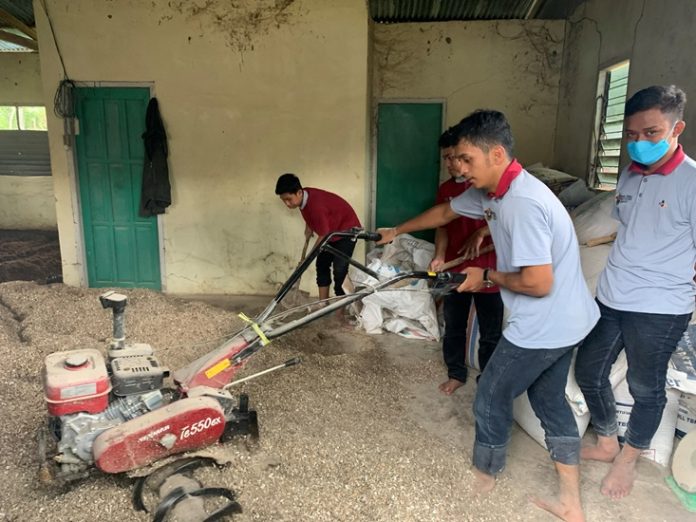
19, 119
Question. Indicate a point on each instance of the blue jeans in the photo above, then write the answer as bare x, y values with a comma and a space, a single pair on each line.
543, 374
649, 341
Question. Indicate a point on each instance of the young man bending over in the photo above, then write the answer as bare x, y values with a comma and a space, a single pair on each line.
323, 212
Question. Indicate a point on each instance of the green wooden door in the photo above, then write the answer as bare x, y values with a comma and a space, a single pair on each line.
122, 248
408, 161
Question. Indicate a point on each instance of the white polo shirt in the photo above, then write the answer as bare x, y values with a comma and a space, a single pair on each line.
530, 227
651, 265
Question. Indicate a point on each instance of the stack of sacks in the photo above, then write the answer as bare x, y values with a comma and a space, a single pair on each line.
407, 308
593, 220
576, 194
681, 376
556, 180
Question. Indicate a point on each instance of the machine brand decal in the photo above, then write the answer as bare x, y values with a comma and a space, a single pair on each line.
79, 390
214, 370
154, 433
197, 427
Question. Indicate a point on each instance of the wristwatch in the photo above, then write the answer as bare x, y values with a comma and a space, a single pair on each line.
487, 283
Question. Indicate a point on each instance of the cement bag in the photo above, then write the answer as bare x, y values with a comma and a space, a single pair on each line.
472, 340
593, 260
681, 372
593, 218
686, 414
524, 416
473, 335
576, 194
556, 180
661, 445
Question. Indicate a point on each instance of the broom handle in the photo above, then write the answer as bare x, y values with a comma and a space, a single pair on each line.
304, 249
459, 260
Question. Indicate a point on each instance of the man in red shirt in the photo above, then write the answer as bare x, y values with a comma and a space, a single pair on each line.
469, 238
324, 212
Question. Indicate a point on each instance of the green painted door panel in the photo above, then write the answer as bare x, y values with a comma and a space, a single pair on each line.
122, 248
408, 161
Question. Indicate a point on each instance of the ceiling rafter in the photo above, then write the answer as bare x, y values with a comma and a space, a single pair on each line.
9, 20
19, 40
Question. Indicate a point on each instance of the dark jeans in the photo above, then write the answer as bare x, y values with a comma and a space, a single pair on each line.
649, 341
511, 371
340, 266
489, 311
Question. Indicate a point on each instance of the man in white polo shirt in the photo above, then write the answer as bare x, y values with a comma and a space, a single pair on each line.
541, 283
646, 292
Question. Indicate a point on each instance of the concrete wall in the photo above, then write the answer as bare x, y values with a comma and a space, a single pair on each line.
25, 202
247, 90
511, 66
654, 36
20, 79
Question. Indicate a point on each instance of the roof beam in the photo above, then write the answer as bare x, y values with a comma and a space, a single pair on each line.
534, 8
19, 40
9, 20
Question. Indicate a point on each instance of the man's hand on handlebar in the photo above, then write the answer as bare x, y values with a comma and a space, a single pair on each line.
388, 235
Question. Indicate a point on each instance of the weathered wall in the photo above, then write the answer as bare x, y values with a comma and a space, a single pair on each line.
247, 90
511, 66
654, 36
25, 202
20, 79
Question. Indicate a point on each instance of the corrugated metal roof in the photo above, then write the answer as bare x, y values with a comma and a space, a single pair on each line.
20, 9
24, 153
23, 11
396, 11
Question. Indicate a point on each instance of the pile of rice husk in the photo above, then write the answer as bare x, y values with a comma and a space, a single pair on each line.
29, 255
357, 432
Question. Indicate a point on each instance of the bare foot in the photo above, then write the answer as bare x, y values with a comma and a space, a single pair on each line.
343, 320
568, 511
450, 385
483, 483
568, 505
606, 449
619, 481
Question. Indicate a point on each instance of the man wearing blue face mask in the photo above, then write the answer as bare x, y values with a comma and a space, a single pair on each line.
646, 292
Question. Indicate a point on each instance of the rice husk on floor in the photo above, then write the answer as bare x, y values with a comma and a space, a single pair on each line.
357, 432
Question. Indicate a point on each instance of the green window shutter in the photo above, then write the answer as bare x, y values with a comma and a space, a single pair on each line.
611, 126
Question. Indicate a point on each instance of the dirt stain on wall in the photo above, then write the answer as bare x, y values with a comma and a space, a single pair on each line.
241, 23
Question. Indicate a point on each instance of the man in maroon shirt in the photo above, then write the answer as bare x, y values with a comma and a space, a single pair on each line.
469, 238
323, 212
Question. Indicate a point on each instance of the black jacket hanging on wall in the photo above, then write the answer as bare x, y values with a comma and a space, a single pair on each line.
156, 190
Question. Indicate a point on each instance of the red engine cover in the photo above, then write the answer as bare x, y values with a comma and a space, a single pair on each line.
186, 424
76, 381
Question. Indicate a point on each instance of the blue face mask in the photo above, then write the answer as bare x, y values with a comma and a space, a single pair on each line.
648, 152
